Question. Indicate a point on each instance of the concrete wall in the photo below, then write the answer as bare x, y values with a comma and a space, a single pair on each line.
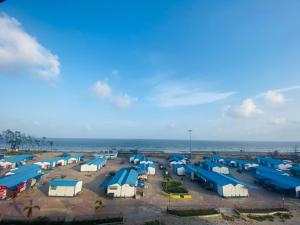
65, 191
88, 168
230, 190
119, 191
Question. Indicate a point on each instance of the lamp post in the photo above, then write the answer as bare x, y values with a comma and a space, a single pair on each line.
190, 134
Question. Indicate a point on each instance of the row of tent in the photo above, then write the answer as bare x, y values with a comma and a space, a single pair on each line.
15, 161
248, 165
63, 160
18, 180
224, 185
123, 184
232, 162
278, 180
23, 176
144, 164
271, 173
93, 165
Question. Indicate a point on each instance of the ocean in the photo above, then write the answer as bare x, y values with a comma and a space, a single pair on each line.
77, 144
81, 145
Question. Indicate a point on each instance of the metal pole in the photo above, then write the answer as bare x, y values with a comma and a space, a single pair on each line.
190, 133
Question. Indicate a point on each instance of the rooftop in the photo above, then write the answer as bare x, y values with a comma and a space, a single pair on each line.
65, 183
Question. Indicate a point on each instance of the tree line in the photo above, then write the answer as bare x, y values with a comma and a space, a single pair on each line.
17, 140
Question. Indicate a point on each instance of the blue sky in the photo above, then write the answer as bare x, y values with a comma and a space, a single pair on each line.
228, 70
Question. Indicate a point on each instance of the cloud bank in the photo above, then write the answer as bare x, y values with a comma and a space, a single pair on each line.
21, 52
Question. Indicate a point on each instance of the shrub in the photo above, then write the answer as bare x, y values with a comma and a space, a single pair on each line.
261, 218
172, 186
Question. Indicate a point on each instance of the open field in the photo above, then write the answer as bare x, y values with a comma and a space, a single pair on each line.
136, 211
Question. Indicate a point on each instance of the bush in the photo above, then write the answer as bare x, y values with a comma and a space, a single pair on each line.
261, 218
193, 212
172, 186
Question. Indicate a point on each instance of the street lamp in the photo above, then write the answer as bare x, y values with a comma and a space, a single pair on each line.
190, 133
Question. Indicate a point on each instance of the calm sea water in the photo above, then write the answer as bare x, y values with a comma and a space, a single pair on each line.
169, 145
78, 144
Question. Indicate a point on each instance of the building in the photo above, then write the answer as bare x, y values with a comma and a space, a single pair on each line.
246, 165
178, 159
73, 159
93, 165
60, 161
179, 169
224, 185
65, 188
148, 168
12, 185
110, 155
264, 169
274, 163
45, 164
216, 167
25, 168
123, 184
286, 185
217, 159
231, 162
295, 170
16, 160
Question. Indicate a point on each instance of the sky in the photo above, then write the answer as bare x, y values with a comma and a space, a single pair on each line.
228, 70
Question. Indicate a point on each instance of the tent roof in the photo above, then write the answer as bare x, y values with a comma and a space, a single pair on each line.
125, 176
65, 183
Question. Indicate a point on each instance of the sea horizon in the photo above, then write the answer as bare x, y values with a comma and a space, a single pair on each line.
169, 145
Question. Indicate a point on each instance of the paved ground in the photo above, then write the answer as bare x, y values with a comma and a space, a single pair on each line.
136, 211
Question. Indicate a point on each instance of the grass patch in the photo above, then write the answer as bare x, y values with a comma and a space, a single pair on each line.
284, 216
173, 187
266, 210
193, 212
261, 218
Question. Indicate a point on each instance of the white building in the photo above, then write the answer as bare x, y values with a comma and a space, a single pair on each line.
216, 167
64, 188
123, 184
93, 165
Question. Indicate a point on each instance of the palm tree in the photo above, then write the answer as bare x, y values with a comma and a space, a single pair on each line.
98, 204
30, 209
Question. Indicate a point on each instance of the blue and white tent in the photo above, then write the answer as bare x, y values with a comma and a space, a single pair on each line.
123, 184
93, 165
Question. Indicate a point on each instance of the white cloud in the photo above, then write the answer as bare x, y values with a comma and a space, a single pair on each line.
21, 52
247, 109
102, 90
274, 97
123, 101
178, 95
